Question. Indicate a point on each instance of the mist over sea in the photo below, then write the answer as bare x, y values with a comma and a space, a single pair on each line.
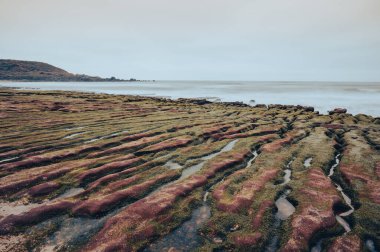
323, 96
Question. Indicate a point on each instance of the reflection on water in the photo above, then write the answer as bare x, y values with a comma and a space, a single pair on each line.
343, 223
347, 200
324, 96
340, 220
172, 165
193, 169
8, 159
73, 135
284, 210
284, 207
370, 246
307, 162
317, 247
249, 163
288, 173
73, 232
332, 169
106, 136
185, 237
71, 193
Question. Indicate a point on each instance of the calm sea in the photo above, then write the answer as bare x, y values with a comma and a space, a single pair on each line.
323, 96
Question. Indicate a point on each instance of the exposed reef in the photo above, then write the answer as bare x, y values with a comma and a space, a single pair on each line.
98, 172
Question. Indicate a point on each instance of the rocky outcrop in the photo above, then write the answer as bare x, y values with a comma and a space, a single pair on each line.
338, 111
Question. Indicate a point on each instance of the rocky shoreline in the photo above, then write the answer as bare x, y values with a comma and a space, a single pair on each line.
98, 172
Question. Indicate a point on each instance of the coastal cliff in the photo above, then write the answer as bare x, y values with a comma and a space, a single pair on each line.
17, 70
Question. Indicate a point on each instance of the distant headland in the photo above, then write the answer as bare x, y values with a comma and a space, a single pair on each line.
20, 70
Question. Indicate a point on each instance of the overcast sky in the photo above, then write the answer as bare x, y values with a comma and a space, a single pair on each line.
336, 40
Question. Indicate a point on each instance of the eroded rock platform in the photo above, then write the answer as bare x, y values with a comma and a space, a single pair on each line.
96, 172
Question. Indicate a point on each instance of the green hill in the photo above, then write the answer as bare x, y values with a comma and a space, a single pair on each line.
38, 71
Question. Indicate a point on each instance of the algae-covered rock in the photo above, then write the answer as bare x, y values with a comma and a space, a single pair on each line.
98, 172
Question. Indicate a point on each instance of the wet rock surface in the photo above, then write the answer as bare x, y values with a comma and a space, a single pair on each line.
96, 172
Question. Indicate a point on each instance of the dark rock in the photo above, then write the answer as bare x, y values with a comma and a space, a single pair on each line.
309, 108
338, 111
200, 102
194, 101
236, 104
260, 106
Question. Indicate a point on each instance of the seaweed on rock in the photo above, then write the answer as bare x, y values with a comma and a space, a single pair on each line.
87, 172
